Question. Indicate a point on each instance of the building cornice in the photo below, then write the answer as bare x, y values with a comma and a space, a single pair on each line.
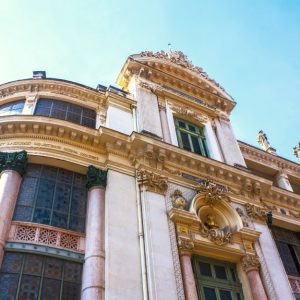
106, 148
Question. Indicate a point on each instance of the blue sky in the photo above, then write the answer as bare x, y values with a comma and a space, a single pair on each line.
252, 48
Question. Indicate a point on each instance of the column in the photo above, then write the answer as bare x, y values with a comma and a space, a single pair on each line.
94, 260
283, 181
164, 121
12, 167
250, 264
185, 247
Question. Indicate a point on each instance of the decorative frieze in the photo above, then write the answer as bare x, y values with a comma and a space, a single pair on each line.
16, 161
256, 212
250, 262
218, 236
152, 181
96, 177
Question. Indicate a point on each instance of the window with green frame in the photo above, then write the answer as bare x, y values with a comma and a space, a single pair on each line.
30, 276
191, 137
52, 196
216, 280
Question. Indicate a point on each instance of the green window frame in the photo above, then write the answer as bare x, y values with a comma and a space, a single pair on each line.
52, 196
191, 137
216, 280
31, 276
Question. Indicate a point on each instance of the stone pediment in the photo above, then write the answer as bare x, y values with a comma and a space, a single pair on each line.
174, 70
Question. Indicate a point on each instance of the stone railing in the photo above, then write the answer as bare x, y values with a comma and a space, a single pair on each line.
295, 284
46, 235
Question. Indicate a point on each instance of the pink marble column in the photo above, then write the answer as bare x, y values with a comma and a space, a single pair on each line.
250, 264
93, 269
94, 260
164, 122
188, 277
257, 289
10, 182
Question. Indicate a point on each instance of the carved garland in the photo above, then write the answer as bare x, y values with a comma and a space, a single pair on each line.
189, 113
153, 182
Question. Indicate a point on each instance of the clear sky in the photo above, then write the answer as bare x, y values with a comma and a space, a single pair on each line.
252, 48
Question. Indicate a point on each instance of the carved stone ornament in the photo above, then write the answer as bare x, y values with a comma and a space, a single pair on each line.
16, 161
153, 182
250, 262
212, 192
148, 86
178, 200
185, 245
216, 235
178, 58
243, 217
185, 111
96, 177
256, 212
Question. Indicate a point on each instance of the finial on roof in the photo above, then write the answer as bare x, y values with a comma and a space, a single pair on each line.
170, 49
263, 141
297, 151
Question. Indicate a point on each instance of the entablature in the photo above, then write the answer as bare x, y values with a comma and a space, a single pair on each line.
42, 136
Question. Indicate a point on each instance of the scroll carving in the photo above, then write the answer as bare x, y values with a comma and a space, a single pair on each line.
153, 182
250, 262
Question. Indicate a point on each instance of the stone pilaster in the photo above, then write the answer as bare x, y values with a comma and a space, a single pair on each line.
12, 167
164, 121
250, 264
94, 262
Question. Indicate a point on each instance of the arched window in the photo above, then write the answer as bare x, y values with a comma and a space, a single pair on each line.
66, 111
52, 196
12, 108
191, 137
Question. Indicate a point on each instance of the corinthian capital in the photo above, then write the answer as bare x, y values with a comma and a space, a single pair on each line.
250, 262
153, 182
16, 161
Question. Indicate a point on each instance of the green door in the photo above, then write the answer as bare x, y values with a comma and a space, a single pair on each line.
216, 280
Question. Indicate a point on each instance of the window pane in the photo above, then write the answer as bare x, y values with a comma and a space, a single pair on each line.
89, 113
205, 269
78, 201
192, 128
45, 193
74, 109
209, 293
62, 197
225, 295
53, 268
41, 216
59, 220
77, 223
43, 107
196, 145
181, 124
72, 272
8, 285
51, 289
58, 114
12, 263
29, 288
185, 141
27, 191
233, 274
238, 296
72, 117
23, 213
220, 272
33, 265
88, 122
71, 291
49, 172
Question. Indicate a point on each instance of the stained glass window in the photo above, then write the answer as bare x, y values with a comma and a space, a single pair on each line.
216, 279
30, 276
66, 111
52, 196
191, 137
12, 108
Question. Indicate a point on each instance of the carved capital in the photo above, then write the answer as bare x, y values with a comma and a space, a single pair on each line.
250, 262
96, 177
188, 112
256, 212
185, 246
16, 161
153, 182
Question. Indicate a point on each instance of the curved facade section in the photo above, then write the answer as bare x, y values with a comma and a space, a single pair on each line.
141, 192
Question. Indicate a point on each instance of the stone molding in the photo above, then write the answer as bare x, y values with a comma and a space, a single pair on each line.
153, 182
188, 113
250, 262
96, 177
16, 161
61, 140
